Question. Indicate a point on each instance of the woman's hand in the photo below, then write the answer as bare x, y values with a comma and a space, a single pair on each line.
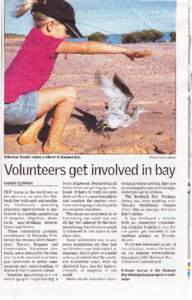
137, 54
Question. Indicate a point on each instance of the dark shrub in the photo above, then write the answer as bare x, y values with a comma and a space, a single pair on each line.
151, 35
173, 36
97, 36
134, 37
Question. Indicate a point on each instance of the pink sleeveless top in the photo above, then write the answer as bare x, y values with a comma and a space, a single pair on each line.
32, 66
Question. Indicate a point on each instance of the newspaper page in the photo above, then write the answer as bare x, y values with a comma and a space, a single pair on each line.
95, 149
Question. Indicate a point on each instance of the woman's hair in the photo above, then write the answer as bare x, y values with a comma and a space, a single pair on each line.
38, 17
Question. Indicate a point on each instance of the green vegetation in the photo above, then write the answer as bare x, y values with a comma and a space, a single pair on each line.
129, 38
97, 36
152, 35
173, 36
13, 35
146, 36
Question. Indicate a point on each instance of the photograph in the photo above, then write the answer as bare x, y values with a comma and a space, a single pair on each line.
90, 77
95, 149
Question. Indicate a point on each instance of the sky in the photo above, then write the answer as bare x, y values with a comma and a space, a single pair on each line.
107, 16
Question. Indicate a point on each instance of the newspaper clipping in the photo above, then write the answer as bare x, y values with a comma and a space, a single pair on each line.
95, 177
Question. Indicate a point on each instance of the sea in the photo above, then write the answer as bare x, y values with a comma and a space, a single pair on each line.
116, 38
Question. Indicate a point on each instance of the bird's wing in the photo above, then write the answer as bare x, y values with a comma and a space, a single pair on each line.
117, 92
125, 90
115, 97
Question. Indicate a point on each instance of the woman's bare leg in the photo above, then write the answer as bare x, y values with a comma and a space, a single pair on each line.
61, 116
63, 99
30, 136
49, 98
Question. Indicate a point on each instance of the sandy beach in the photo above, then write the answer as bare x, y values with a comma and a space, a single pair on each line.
151, 80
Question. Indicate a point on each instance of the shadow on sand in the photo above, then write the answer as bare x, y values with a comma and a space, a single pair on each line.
89, 121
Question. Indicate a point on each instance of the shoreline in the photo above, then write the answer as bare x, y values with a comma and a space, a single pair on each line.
114, 38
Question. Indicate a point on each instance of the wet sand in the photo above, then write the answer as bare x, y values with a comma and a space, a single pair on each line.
151, 80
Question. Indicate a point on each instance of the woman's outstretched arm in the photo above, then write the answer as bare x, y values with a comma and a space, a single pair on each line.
98, 48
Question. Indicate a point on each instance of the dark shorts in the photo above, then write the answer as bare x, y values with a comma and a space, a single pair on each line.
22, 111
